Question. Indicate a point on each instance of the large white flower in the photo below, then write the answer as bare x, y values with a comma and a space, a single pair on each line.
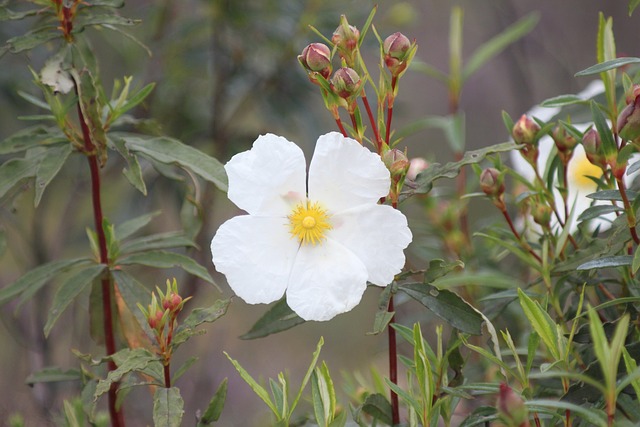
321, 240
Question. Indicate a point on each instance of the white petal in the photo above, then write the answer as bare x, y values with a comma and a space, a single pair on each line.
377, 235
268, 179
326, 280
343, 174
256, 255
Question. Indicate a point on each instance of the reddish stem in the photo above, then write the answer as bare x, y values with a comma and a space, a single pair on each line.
393, 366
631, 220
518, 237
116, 415
339, 123
374, 126
390, 100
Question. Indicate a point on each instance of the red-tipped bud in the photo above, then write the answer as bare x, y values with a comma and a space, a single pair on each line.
398, 52
316, 57
564, 141
593, 147
345, 82
156, 319
511, 408
525, 131
629, 119
345, 37
491, 182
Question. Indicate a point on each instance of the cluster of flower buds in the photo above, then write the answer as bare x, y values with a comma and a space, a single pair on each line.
492, 184
398, 52
163, 314
512, 411
525, 132
398, 164
629, 119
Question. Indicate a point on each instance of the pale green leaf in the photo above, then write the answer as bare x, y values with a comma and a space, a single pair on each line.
607, 262
541, 322
257, 388
168, 407
49, 167
164, 259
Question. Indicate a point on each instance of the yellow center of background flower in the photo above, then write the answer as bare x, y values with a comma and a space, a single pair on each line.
309, 222
580, 169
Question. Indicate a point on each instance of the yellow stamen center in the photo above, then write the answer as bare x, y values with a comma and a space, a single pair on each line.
580, 171
309, 222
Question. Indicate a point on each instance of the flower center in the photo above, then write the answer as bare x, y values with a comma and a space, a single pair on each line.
309, 222
580, 172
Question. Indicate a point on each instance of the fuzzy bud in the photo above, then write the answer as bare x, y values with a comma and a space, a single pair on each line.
491, 182
511, 408
345, 37
629, 119
397, 163
316, 57
593, 147
564, 141
345, 82
525, 131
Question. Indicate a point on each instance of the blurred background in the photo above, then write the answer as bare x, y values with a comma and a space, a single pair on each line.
226, 71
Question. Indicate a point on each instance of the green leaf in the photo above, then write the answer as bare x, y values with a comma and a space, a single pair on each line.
561, 101
439, 268
9, 15
111, 19
15, 170
378, 407
171, 151
609, 146
69, 290
307, 376
323, 395
635, 263
49, 167
592, 416
257, 388
447, 305
607, 262
498, 43
34, 279
133, 292
134, 173
214, 409
171, 239
278, 318
425, 179
127, 228
598, 210
199, 316
613, 195
541, 322
31, 137
53, 375
164, 259
607, 65
33, 39
168, 407
128, 360
632, 5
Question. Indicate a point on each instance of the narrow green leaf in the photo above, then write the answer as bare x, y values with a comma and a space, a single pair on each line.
378, 407
9, 15
33, 39
31, 137
136, 98
541, 322
164, 259
593, 416
607, 262
635, 263
613, 195
171, 151
508, 122
15, 170
609, 147
257, 388
598, 210
53, 375
561, 101
68, 291
447, 305
497, 44
168, 407
607, 65
127, 228
632, 6
455, 50
278, 318
134, 173
307, 376
34, 279
127, 360
214, 409
111, 19
199, 316
171, 239
49, 167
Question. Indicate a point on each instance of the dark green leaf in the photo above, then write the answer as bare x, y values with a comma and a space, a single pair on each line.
498, 43
34, 279
561, 100
90, 20
168, 407
107, 3
632, 5
164, 259
134, 173
197, 317
481, 416
541, 322
214, 410
446, 305
171, 151
596, 211
49, 167
425, 180
33, 39
53, 375
609, 146
68, 291
613, 195
607, 65
171, 239
15, 170
131, 226
277, 319
380, 321
9, 15
136, 360
607, 262
508, 122
439, 268
378, 407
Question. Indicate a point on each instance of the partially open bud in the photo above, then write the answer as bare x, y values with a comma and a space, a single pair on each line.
396, 52
629, 119
397, 163
345, 37
511, 408
525, 131
345, 82
593, 148
491, 182
316, 57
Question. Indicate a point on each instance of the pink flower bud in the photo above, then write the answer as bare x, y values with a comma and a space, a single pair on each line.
563, 140
593, 147
316, 57
511, 408
397, 163
345, 82
629, 119
525, 131
491, 182
345, 36
396, 46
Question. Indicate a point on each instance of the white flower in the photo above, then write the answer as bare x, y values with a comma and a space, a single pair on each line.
320, 242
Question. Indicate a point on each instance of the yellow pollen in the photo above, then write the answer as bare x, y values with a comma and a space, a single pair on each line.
580, 171
309, 222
